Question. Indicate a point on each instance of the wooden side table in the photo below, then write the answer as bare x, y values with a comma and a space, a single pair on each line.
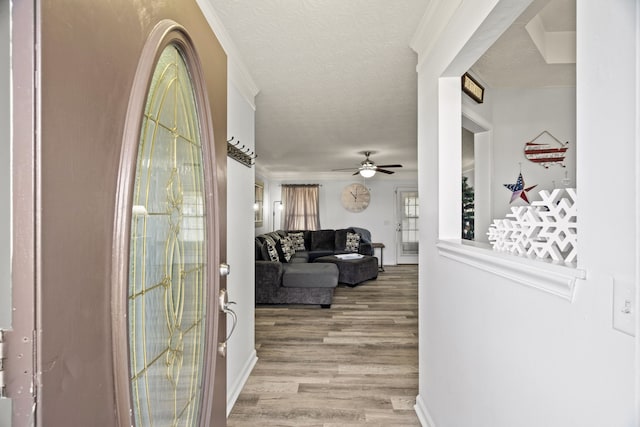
381, 247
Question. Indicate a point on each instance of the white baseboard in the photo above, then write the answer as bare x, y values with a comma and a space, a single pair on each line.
423, 413
234, 390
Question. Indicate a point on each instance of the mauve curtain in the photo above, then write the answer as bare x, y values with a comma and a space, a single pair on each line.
301, 207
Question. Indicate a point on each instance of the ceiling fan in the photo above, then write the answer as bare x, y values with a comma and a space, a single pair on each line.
368, 168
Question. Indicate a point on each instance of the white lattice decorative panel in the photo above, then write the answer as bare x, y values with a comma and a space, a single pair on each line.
547, 229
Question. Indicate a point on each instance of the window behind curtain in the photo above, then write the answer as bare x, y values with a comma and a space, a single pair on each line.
301, 207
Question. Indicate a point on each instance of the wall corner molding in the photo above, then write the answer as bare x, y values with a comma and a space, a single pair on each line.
241, 79
423, 413
434, 21
238, 71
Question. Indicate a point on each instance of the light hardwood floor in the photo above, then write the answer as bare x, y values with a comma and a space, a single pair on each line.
355, 364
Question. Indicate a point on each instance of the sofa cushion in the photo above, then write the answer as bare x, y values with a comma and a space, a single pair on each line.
318, 275
284, 249
316, 254
306, 235
274, 235
365, 235
353, 271
289, 246
258, 249
297, 241
269, 251
340, 242
323, 240
300, 256
353, 242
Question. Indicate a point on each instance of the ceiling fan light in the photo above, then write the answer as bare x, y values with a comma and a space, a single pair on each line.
367, 173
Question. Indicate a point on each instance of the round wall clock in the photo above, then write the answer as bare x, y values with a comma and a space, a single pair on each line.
355, 197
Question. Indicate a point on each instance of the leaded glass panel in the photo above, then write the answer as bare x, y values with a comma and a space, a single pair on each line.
167, 292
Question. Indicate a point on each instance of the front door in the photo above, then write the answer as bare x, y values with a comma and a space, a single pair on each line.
407, 226
126, 127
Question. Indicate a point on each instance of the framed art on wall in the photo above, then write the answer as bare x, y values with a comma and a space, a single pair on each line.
258, 204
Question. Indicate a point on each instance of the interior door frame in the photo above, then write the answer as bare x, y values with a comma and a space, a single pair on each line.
19, 341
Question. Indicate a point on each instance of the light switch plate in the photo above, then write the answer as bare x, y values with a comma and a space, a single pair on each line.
624, 306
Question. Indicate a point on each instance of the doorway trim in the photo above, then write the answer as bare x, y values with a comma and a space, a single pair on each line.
21, 356
482, 132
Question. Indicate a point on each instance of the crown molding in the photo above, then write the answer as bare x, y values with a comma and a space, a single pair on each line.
557, 47
435, 19
237, 70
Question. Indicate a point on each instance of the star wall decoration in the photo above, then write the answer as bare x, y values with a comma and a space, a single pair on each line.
518, 191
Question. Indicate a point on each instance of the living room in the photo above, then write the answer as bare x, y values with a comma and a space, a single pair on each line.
502, 326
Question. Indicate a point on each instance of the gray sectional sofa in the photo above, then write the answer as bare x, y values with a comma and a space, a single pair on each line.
284, 269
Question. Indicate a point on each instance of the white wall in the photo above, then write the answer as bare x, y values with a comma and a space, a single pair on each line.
379, 218
241, 355
519, 115
495, 353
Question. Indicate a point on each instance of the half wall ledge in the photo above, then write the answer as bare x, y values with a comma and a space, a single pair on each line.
556, 279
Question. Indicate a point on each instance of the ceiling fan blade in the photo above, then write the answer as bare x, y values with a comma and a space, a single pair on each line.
343, 169
384, 171
389, 166
356, 172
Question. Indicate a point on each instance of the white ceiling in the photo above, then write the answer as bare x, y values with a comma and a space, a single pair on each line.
514, 59
337, 77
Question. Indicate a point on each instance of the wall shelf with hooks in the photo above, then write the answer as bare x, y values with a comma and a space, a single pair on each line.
240, 153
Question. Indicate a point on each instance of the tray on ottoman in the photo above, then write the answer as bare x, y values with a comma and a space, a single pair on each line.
353, 269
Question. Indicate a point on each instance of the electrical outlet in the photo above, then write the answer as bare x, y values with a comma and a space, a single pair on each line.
624, 306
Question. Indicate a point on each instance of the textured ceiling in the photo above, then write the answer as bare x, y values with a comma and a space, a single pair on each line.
337, 77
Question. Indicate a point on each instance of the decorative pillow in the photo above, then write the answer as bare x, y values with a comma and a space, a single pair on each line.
283, 247
297, 241
353, 242
281, 257
270, 248
287, 247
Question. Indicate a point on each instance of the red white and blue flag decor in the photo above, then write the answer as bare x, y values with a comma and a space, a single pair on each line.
546, 154
518, 190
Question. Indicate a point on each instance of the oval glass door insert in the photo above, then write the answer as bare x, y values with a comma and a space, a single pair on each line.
166, 291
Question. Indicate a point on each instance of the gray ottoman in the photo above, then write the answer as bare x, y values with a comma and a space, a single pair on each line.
304, 283
306, 275
353, 271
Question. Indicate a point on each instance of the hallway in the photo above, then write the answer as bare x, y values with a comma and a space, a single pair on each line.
355, 364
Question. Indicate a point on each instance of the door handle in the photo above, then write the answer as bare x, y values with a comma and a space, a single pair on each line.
224, 303
225, 269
